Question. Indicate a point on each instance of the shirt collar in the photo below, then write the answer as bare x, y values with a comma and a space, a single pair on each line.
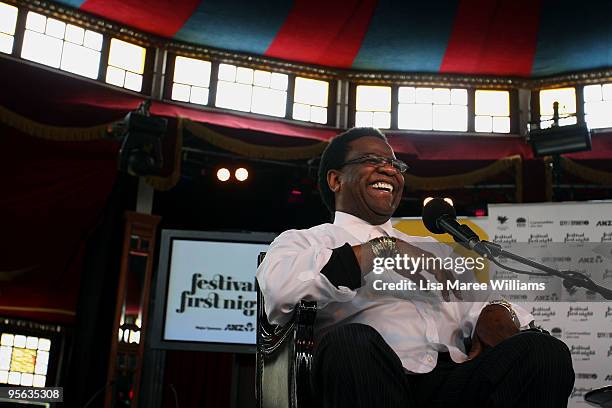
359, 228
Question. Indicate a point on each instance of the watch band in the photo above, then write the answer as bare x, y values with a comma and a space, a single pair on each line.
383, 247
508, 306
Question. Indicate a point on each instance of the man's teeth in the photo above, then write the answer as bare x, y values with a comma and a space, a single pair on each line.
383, 186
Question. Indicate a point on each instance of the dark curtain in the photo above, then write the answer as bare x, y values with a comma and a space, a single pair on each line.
88, 364
197, 379
53, 195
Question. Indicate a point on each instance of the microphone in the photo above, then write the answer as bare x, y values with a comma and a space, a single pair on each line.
440, 217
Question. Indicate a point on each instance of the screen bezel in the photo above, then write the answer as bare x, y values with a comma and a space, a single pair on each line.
159, 296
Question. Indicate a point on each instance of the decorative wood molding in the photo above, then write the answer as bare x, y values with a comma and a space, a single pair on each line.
83, 19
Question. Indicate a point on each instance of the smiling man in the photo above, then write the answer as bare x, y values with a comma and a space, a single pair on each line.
379, 349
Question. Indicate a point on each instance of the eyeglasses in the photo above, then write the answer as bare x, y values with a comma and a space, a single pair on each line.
379, 161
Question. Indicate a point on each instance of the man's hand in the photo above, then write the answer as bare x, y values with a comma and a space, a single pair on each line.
494, 325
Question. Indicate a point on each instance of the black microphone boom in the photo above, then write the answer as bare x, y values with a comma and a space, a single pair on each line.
440, 217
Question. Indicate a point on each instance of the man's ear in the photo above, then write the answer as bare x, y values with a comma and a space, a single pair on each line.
334, 180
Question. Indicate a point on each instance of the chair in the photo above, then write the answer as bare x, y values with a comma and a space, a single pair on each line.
284, 356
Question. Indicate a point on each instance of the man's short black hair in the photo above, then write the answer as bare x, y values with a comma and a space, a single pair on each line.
334, 156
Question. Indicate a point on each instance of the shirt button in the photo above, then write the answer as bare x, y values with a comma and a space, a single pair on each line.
429, 358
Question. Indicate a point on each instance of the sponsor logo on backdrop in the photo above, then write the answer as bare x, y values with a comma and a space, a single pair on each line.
610, 352
521, 222
517, 298
591, 259
573, 222
579, 313
240, 327
576, 334
608, 312
553, 297
586, 376
579, 392
543, 313
576, 237
218, 292
607, 274
539, 239
582, 352
607, 237
556, 332
504, 239
604, 335
556, 259
604, 223
501, 274
540, 224
501, 222
608, 377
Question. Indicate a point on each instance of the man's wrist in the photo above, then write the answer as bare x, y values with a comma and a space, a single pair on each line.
383, 247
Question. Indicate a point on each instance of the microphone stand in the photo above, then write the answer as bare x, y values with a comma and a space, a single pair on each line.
570, 279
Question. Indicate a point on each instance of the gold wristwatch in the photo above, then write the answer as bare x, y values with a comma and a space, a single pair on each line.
383, 247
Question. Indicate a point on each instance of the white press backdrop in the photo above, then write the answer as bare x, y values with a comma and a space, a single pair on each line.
560, 230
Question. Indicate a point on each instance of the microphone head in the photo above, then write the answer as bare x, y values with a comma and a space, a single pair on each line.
433, 210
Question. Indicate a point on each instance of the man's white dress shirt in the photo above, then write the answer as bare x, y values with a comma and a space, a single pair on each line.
415, 328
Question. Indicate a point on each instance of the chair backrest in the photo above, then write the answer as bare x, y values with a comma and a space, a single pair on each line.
272, 359
284, 356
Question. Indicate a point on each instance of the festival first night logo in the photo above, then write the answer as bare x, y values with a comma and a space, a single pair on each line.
218, 294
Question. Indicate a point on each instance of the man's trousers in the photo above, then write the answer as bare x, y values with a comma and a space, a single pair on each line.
354, 367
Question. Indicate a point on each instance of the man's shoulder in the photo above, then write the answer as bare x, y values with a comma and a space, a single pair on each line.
316, 232
317, 229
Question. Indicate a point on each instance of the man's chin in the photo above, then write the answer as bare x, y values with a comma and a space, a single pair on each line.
383, 212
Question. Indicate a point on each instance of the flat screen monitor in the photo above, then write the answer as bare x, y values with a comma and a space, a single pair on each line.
205, 296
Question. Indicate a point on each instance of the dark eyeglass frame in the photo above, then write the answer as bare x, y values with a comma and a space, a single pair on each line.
378, 161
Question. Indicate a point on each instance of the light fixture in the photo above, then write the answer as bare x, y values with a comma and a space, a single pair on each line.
560, 139
241, 174
223, 174
141, 135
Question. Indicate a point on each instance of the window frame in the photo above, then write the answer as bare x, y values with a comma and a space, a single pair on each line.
535, 99
471, 107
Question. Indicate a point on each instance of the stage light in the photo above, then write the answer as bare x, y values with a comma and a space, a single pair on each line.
141, 135
241, 174
223, 174
560, 139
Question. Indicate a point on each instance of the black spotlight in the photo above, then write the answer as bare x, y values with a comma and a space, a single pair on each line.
141, 135
560, 139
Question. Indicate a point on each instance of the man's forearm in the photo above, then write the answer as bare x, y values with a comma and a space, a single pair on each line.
343, 268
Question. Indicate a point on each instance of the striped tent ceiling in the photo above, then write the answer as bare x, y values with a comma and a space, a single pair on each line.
523, 38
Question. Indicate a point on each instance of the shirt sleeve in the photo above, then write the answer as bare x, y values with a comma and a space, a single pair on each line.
292, 271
